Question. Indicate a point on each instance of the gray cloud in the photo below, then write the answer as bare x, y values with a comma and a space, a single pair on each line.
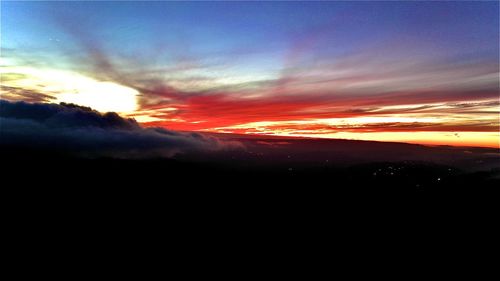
73, 129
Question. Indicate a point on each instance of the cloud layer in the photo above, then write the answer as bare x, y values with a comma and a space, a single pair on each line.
69, 128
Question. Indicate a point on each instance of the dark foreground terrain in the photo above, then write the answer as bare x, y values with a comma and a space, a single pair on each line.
269, 182
272, 192
269, 165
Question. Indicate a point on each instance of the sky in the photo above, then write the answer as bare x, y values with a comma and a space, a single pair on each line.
420, 72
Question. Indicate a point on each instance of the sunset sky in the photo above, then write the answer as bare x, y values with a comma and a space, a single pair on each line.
420, 72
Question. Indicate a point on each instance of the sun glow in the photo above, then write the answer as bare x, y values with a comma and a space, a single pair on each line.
103, 96
70, 87
479, 139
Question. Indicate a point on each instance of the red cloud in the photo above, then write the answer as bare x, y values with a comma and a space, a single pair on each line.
223, 110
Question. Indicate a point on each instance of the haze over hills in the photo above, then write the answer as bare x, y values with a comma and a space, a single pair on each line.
276, 149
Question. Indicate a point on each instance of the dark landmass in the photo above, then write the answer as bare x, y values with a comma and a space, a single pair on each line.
268, 182
274, 164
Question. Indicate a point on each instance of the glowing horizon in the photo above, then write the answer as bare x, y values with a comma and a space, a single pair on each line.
418, 72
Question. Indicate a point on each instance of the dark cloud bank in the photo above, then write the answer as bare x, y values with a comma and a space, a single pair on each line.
68, 128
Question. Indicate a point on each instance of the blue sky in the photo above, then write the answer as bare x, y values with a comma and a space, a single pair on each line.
267, 28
